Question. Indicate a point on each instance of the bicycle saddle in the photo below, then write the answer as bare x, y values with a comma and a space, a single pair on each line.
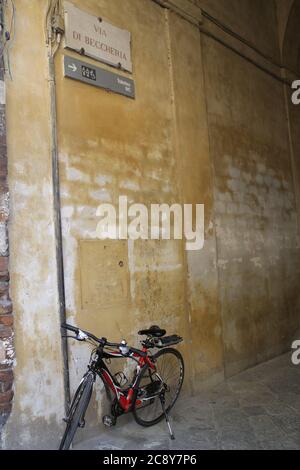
154, 330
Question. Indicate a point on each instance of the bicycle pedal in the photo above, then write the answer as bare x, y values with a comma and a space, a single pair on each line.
108, 421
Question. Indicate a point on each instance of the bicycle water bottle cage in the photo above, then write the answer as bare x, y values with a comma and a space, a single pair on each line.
153, 331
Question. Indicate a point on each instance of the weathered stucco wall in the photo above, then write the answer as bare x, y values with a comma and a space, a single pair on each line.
256, 218
111, 146
255, 206
196, 182
206, 127
39, 394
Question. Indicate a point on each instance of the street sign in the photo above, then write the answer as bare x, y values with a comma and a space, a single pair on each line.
92, 75
95, 37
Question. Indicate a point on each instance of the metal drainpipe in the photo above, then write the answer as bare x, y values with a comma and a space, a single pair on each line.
58, 225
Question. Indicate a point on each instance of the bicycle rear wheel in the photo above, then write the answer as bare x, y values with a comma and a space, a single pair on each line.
167, 379
77, 410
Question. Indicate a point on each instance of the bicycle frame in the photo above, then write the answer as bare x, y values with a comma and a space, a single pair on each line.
125, 398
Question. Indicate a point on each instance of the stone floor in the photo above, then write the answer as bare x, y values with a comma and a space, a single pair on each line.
257, 409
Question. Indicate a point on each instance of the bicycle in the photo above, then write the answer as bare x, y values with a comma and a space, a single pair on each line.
150, 396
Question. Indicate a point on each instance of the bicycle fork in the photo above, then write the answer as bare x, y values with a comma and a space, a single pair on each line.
163, 402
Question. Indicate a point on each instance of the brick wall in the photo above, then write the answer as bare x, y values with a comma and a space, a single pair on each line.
6, 317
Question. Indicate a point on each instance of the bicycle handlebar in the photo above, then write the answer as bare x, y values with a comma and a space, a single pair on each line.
102, 341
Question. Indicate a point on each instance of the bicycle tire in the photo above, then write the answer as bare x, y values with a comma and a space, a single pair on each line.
78, 409
136, 409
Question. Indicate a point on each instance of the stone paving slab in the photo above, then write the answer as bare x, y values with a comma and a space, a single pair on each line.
257, 409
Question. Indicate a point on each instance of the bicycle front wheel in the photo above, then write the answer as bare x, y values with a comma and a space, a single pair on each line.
166, 379
77, 410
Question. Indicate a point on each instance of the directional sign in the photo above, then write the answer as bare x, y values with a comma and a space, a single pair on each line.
87, 73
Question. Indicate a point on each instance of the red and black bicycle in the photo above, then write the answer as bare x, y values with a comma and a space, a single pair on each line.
152, 393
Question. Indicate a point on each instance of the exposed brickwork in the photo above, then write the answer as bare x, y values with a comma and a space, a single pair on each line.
6, 317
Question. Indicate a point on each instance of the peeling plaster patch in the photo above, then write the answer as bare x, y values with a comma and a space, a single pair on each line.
210, 227
19, 168
155, 155
234, 172
24, 189
274, 260
93, 143
234, 185
156, 175
73, 174
257, 262
131, 185
67, 212
167, 188
79, 358
222, 263
66, 226
43, 400
102, 180
101, 195
86, 211
137, 173
7, 353
87, 234
64, 191
63, 157
4, 204
37, 301
200, 264
70, 254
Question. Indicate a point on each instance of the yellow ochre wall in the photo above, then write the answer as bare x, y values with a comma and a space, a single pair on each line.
205, 127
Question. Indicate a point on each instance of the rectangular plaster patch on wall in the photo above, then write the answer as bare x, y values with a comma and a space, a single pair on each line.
104, 273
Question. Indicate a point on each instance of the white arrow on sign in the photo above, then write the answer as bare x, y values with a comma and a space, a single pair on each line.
73, 67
